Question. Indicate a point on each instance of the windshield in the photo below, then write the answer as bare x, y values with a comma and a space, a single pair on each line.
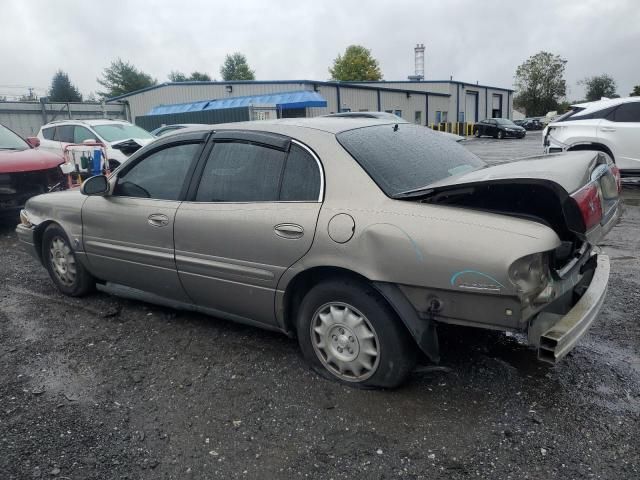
504, 121
403, 157
11, 141
114, 132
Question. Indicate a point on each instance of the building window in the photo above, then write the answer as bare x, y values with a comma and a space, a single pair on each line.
398, 113
418, 118
445, 116
363, 110
438, 116
345, 109
388, 111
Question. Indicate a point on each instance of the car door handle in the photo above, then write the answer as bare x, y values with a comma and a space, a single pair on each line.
289, 230
607, 129
158, 220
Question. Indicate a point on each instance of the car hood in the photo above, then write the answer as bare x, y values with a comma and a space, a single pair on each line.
571, 171
513, 127
29, 160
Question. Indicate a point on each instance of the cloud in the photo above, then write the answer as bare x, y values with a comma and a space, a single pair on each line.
286, 39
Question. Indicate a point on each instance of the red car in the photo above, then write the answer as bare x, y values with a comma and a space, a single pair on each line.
25, 171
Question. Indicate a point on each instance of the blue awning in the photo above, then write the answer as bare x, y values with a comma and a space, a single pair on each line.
282, 100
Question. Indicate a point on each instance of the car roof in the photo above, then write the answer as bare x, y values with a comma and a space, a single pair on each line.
89, 122
604, 103
332, 125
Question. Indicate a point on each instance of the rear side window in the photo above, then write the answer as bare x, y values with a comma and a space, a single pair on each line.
241, 172
64, 133
627, 112
405, 157
47, 133
161, 175
301, 179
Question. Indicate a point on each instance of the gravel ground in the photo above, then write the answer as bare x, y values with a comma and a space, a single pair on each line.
109, 388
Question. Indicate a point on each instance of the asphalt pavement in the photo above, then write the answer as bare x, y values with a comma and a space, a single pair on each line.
106, 388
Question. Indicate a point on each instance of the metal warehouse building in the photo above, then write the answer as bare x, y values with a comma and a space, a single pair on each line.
450, 105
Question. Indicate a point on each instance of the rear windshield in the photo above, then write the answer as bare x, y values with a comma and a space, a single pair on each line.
403, 157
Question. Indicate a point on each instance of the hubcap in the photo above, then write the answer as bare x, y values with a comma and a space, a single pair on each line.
345, 342
63, 262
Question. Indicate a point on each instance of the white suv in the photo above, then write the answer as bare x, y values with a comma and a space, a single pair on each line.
120, 138
608, 125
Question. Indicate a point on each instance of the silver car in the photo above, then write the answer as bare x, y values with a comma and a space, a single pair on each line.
358, 236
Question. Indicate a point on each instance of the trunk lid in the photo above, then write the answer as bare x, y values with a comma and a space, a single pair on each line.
576, 193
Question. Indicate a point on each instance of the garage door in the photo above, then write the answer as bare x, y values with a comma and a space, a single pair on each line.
471, 107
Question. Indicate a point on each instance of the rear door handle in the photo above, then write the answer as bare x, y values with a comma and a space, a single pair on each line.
289, 230
158, 220
607, 129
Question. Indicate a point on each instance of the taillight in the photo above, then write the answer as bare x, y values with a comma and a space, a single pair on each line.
616, 173
590, 204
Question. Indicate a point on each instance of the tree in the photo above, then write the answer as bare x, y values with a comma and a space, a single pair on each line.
540, 83
175, 76
62, 90
356, 64
236, 67
199, 77
122, 77
599, 86
636, 91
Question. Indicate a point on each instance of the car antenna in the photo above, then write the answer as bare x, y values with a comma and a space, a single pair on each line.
395, 127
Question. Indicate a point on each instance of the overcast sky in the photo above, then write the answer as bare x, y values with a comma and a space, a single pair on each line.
296, 39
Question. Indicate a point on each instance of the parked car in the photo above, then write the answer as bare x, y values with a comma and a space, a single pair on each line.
532, 124
390, 117
305, 226
611, 126
519, 122
498, 128
24, 171
120, 138
158, 132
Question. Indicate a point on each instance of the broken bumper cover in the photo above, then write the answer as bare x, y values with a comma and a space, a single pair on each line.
26, 236
558, 340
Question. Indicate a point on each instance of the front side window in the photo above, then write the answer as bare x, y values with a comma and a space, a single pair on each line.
80, 134
161, 175
627, 112
241, 172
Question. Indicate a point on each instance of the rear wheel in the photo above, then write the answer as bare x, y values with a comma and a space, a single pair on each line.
476, 133
500, 134
347, 332
65, 270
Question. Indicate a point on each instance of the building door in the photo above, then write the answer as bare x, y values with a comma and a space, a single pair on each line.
496, 106
471, 107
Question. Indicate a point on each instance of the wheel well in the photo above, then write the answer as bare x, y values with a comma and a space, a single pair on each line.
37, 236
305, 281
592, 146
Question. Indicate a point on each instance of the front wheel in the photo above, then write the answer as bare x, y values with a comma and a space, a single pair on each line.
60, 260
347, 332
476, 133
500, 134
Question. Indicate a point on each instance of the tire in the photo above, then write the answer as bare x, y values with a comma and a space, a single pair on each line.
500, 135
369, 347
67, 273
476, 133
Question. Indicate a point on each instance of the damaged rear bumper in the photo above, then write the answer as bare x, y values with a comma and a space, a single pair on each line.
560, 337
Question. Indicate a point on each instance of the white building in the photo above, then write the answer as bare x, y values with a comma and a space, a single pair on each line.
424, 102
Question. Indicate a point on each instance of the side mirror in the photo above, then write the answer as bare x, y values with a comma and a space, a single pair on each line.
33, 141
95, 186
